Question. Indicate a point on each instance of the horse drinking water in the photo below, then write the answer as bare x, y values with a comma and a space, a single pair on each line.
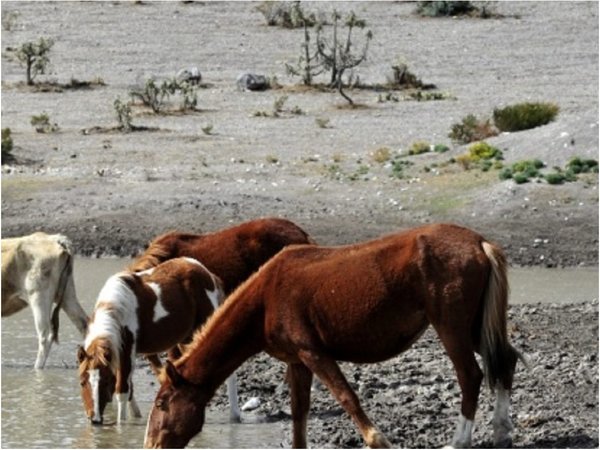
310, 306
143, 312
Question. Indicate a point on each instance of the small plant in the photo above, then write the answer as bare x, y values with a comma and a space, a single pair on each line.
309, 64
578, 165
285, 14
381, 155
7, 146
272, 159
483, 151
278, 105
440, 148
524, 116
419, 147
207, 129
155, 96
444, 8
398, 166
34, 57
337, 56
9, 20
42, 124
322, 122
471, 129
123, 112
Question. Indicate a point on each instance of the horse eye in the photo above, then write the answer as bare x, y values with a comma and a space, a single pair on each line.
161, 404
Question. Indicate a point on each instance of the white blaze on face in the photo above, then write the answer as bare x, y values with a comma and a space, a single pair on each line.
159, 309
94, 375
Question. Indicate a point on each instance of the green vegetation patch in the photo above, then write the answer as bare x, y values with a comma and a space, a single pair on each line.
524, 116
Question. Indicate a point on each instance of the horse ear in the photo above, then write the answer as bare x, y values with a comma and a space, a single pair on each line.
173, 375
81, 354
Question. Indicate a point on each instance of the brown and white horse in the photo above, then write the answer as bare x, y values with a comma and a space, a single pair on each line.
310, 306
232, 254
145, 312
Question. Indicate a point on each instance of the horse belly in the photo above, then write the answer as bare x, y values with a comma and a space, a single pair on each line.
161, 336
376, 337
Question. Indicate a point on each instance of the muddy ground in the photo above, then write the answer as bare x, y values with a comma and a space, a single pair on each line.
315, 164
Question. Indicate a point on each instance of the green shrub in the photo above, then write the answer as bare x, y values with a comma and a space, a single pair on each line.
42, 124
123, 112
483, 151
7, 146
440, 148
577, 165
419, 147
524, 116
505, 174
555, 178
471, 129
520, 178
34, 56
444, 8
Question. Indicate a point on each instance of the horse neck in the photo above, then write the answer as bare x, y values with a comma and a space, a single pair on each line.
232, 335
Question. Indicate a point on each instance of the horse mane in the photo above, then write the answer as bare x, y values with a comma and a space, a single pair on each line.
201, 333
158, 251
112, 309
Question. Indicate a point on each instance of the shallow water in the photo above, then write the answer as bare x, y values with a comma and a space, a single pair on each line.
43, 409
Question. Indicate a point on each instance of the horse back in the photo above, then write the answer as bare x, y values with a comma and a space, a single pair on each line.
175, 298
347, 299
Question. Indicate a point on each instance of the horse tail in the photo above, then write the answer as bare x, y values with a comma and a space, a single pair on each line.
66, 272
499, 356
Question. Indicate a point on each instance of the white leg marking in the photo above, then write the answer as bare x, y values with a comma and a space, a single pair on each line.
462, 435
122, 406
501, 421
375, 439
94, 375
232, 392
159, 309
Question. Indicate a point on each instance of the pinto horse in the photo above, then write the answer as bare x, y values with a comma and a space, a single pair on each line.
232, 254
145, 312
310, 306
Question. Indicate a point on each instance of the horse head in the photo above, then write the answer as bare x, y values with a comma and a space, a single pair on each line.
97, 379
177, 414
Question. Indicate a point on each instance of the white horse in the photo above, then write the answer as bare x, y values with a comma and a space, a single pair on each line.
37, 270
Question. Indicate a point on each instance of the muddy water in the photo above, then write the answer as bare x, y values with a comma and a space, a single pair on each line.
43, 409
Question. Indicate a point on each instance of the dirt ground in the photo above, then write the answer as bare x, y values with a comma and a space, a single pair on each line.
314, 164
111, 192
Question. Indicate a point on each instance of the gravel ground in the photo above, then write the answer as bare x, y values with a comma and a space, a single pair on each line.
415, 399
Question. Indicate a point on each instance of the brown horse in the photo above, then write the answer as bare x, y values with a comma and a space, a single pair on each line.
144, 312
310, 306
232, 254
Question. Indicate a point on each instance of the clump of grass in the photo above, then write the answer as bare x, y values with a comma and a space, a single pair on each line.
472, 129
381, 155
123, 112
524, 116
480, 154
322, 122
440, 148
398, 167
524, 171
7, 146
42, 124
444, 8
419, 147
578, 165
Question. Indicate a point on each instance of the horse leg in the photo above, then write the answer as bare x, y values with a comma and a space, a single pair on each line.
459, 347
329, 372
501, 421
41, 304
133, 406
232, 393
73, 309
300, 381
